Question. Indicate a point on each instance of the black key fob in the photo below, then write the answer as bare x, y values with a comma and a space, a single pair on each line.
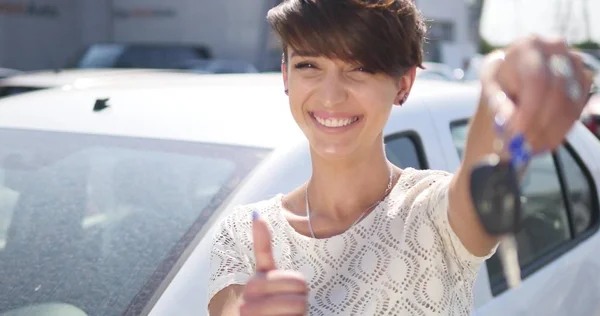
496, 195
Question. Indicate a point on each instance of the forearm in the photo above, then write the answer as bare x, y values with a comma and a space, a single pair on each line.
461, 214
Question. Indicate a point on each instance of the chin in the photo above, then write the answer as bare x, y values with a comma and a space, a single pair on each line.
333, 152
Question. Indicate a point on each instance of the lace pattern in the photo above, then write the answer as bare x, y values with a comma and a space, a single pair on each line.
402, 258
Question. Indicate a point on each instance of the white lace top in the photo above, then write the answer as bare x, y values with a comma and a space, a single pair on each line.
402, 259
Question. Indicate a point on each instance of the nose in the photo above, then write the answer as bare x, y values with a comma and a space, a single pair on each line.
333, 90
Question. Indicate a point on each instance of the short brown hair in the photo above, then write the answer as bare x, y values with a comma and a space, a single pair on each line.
385, 36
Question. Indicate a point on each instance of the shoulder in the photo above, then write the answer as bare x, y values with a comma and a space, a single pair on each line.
418, 189
425, 174
424, 181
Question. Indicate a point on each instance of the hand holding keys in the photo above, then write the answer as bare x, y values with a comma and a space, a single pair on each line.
496, 193
547, 86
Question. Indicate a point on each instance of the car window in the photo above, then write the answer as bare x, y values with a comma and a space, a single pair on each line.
580, 194
142, 56
100, 56
13, 90
155, 57
559, 207
105, 215
405, 150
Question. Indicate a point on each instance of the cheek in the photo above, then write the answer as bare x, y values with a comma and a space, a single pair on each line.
377, 103
297, 109
298, 95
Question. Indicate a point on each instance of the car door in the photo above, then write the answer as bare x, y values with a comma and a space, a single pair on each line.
559, 240
411, 140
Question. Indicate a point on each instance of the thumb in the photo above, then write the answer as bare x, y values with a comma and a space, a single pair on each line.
263, 252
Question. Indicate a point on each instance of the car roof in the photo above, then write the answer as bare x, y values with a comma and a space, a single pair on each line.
62, 77
235, 109
9, 72
434, 65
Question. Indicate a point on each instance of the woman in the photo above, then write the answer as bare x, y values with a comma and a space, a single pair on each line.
364, 237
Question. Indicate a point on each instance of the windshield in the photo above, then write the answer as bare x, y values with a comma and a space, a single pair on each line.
90, 221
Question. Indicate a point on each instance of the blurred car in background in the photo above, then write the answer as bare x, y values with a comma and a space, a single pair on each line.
7, 72
591, 114
77, 78
473, 69
140, 55
439, 71
591, 117
219, 66
592, 63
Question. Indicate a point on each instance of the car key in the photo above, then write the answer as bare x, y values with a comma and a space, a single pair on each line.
497, 198
496, 195
495, 189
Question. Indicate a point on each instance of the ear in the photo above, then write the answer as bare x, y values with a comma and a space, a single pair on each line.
405, 84
284, 73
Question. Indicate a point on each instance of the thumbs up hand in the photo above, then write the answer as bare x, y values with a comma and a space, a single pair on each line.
271, 291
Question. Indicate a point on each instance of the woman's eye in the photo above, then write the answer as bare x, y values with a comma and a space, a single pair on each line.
304, 65
365, 70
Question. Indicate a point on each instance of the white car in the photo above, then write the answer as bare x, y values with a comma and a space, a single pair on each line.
109, 195
73, 78
473, 70
439, 71
7, 72
591, 114
219, 66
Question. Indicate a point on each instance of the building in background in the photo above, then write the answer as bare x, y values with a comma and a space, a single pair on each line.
46, 34
450, 39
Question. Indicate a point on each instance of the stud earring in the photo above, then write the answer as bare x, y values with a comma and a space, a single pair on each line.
404, 99
286, 91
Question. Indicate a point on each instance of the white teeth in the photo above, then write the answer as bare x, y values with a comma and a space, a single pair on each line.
333, 122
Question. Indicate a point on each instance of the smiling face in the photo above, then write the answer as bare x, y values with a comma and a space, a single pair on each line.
341, 107
345, 63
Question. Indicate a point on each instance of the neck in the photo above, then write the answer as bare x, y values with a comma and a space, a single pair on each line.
341, 190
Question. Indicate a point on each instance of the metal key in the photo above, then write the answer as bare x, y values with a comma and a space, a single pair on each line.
510, 260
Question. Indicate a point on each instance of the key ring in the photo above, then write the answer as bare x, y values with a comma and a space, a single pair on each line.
519, 149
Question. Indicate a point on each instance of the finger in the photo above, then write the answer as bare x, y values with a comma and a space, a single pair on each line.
277, 305
496, 92
535, 80
571, 110
263, 251
275, 282
559, 111
508, 79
